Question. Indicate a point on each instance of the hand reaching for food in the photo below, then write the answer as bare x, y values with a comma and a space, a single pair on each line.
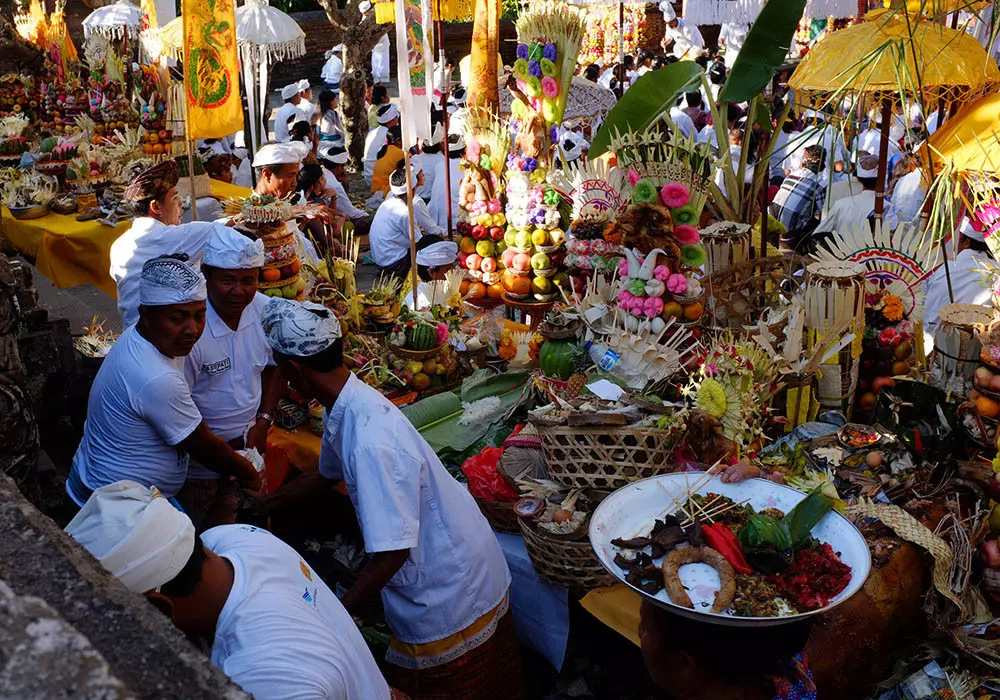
735, 473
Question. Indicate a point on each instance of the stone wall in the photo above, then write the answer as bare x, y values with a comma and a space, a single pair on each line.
69, 629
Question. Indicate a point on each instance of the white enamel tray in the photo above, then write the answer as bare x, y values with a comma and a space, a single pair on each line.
630, 511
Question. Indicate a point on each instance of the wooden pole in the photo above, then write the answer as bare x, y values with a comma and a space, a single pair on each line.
190, 154
413, 227
883, 158
621, 47
445, 119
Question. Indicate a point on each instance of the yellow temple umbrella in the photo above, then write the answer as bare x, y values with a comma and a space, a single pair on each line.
936, 8
891, 54
970, 140
894, 52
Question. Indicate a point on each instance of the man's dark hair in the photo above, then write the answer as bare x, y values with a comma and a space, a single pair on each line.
702, 61
868, 182
592, 72
977, 246
369, 81
301, 130
814, 158
693, 99
629, 62
309, 175
398, 176
276, 169
325, 360
184, 583
379, 93
394, 134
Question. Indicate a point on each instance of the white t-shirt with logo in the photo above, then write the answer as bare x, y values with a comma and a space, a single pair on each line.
282, 634
140, 408
224, 371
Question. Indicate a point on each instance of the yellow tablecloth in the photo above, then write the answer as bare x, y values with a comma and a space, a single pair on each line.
70, 252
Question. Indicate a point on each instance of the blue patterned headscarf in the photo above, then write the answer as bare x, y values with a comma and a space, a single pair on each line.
300, 329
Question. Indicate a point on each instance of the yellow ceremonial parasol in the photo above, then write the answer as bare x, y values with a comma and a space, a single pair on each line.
937, 8
893, 54
970, 140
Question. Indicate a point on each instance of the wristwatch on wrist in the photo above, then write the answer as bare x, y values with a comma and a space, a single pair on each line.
266, 416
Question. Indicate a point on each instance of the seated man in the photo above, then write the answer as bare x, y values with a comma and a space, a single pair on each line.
141, 420
388, 160
156, 230
231, 370
388, 117
389, 236
334, 158
272, 624
799, 202
435, 561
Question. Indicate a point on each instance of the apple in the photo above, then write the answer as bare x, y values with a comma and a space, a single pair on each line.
557, 235
523, 239
162, 133
488, 264
541, 261
510, 236
479, 232
496, 233
484, 248
473, 261
462, 257
507, 257
521, 262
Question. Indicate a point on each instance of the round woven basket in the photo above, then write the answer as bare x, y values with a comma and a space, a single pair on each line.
569, 564
408, 354
605, 458
501, 516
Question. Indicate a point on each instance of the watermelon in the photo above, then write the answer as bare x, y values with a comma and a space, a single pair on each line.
48, 144
555, 358
421, 336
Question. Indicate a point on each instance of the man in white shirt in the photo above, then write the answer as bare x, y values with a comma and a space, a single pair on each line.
853, 211
680, 118
333, 69
308, 110
388, 117
380, 61
435, 560
273, 626
822, 134
965, 279
334, 159
230, 371
870, 140
389, 236
907, 198
684, 40
287, 113
732, 36
427, 161
156, 230
438, 206
141, 420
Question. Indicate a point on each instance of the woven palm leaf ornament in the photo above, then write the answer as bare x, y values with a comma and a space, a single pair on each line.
895, 262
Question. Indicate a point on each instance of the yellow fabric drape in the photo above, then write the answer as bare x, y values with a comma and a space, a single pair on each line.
484, 92
211, 74
970, 140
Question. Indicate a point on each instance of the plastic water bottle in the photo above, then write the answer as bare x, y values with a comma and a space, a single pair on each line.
603, 356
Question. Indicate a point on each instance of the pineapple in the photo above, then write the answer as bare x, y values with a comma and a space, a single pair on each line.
575, 384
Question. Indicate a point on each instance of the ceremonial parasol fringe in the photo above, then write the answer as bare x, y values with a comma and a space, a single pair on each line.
258, 53
746, 11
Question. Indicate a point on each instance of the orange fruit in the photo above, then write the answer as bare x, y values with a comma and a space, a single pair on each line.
900, 367
271, 274
987, 407
692, 312
520, 284
477, 290
157, 148
866, 401
420, 381
494, 291
463, 288
467, 245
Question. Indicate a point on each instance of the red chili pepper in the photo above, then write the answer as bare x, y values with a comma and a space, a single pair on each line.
721, 539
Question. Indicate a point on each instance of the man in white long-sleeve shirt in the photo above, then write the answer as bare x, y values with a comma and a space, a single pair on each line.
333, 69
287, 113
388, 117
389, 236
684, 40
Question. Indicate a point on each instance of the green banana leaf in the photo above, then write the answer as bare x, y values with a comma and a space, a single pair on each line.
436, 417
652, 95
764, 50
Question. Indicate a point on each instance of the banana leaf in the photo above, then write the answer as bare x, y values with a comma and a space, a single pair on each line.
763, 51
436, 417
652, 95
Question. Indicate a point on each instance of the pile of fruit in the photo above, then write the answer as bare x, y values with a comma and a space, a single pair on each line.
479, 249
157, 138
280, 276
55, 150
421, 375
885, 353
11, 150
535, 249
17, 95
980, 413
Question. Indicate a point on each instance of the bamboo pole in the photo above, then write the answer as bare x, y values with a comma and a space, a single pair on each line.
883, 158
190, 154
413, 226
445, 120
621, 47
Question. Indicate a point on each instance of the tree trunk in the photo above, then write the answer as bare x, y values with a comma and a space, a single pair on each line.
14, 46
359, 36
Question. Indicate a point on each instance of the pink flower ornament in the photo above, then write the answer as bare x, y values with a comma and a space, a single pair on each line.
674, 194
677, 283
661, 272
686, 234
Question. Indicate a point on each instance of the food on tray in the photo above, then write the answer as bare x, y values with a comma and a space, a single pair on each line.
857, 435
768, 562
691, 555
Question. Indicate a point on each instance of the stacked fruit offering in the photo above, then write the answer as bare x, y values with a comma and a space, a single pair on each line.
534, 242
482, 243
885, 353
280, 276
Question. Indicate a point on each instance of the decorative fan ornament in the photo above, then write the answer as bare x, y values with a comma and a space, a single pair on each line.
896, 262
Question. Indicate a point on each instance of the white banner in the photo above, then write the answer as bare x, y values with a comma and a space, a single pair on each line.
414, 68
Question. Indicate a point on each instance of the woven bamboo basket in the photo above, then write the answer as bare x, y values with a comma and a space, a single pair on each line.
605, 458
956, 342
738, 295
408, 354
569, 564
501, 516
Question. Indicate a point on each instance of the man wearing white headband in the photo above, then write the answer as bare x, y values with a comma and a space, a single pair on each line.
156, 230
438, 566
870, 140
333, 69
272, 624
230, 370
972, 253
827, 135
387, 116
438, 206
433, 263
141, 420
287, 113
853, 211
334, 157
308, 110
389, 236
684, 40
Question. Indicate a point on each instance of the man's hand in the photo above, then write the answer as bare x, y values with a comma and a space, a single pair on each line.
736, 472
320, 211
257, 436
